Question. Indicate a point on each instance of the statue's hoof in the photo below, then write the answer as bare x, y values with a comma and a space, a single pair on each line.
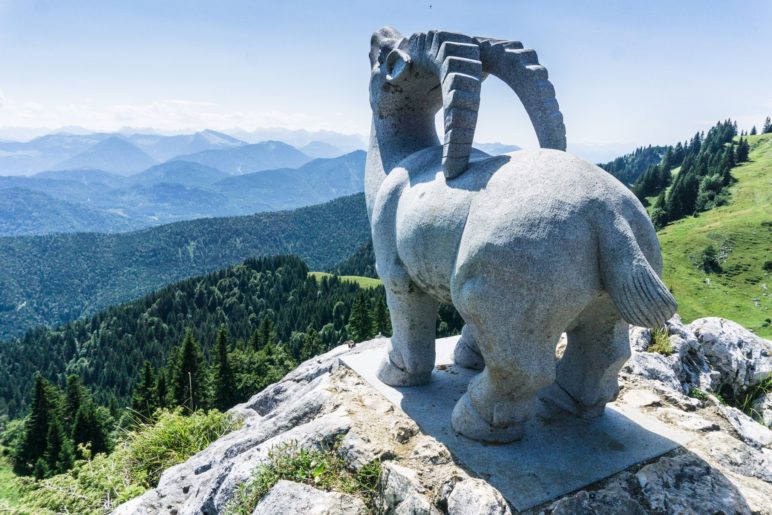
392, 375
557, 403
466, 356
467, 422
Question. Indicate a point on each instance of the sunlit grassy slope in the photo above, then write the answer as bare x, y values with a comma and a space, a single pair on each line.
742, 233
363, 282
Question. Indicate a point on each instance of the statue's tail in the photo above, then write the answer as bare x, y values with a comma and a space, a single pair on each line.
638, 293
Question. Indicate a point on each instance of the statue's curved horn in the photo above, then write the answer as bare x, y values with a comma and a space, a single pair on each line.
456, 59
519, 68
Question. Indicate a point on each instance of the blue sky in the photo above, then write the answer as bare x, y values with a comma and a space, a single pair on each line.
626, 73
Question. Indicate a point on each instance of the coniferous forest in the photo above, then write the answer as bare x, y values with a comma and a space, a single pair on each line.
207, 342
686, 178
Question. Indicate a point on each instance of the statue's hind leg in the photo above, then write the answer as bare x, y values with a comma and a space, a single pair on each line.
467, 354
410, 358
587, 374
519, 361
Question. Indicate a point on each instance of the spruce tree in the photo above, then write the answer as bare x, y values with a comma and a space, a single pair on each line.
74, 395
88, 431
144, 400
188, 385
659, 212
161, 391
767, 126
360, 325
753, 131
35, 441
59, 452
381, 321
265, 332
225, 385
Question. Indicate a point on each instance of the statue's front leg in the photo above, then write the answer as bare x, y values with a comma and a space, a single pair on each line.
410, 358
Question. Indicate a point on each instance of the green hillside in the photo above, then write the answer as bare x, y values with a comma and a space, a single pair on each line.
49, 280
741, 232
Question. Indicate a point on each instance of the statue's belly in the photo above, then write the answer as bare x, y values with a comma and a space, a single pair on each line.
430, 222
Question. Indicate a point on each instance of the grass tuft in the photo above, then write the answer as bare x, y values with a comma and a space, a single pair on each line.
660, 341
322, 469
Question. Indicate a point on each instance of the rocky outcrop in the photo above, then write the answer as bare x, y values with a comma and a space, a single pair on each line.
727, 467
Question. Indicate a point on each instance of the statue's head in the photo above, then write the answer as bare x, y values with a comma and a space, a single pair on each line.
412, 78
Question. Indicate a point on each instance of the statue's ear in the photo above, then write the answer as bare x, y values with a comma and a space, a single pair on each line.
381, 42
397, 62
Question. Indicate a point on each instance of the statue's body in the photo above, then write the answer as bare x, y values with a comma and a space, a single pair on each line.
525, 246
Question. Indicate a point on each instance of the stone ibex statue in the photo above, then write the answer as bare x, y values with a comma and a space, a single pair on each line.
525, 245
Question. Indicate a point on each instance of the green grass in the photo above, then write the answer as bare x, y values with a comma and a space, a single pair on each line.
363, 282
320, 468
11, 489
660, 342
105, 481
742, 233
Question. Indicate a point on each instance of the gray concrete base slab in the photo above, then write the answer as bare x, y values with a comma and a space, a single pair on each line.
553, 458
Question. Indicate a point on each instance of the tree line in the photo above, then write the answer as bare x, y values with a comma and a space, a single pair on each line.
703, 164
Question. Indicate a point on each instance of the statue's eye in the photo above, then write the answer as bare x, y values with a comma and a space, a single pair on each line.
382, 55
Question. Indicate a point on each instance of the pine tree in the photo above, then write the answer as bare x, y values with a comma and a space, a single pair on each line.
35, 441
753, 131
161, 391
265, 332
743, 150
381, 321
659, 212
767, 126
144, 399
74, 395
87, 430
188, 388
59, 455
359, 324
225, 386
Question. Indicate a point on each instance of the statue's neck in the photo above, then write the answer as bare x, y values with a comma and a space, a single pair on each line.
392, 139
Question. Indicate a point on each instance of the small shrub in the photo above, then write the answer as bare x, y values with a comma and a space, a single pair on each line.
767, 266
660, 341
323, 469
696, 393
709, 260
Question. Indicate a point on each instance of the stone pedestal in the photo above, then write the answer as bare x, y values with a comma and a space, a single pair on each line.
553, 458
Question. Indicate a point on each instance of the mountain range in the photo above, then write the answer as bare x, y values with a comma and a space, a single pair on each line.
100, 190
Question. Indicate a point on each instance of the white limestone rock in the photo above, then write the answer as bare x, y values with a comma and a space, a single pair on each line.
609, 500
290, 498
640, 338
742, 358
686, 484
476, 497
750, 430
402, 492
652, 366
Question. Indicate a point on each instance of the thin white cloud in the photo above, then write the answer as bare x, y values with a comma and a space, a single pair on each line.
166, 115
3, 101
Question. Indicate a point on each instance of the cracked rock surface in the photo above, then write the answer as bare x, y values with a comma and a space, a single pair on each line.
726, 468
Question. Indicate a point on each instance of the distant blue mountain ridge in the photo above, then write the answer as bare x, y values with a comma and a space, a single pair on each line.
110, 184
